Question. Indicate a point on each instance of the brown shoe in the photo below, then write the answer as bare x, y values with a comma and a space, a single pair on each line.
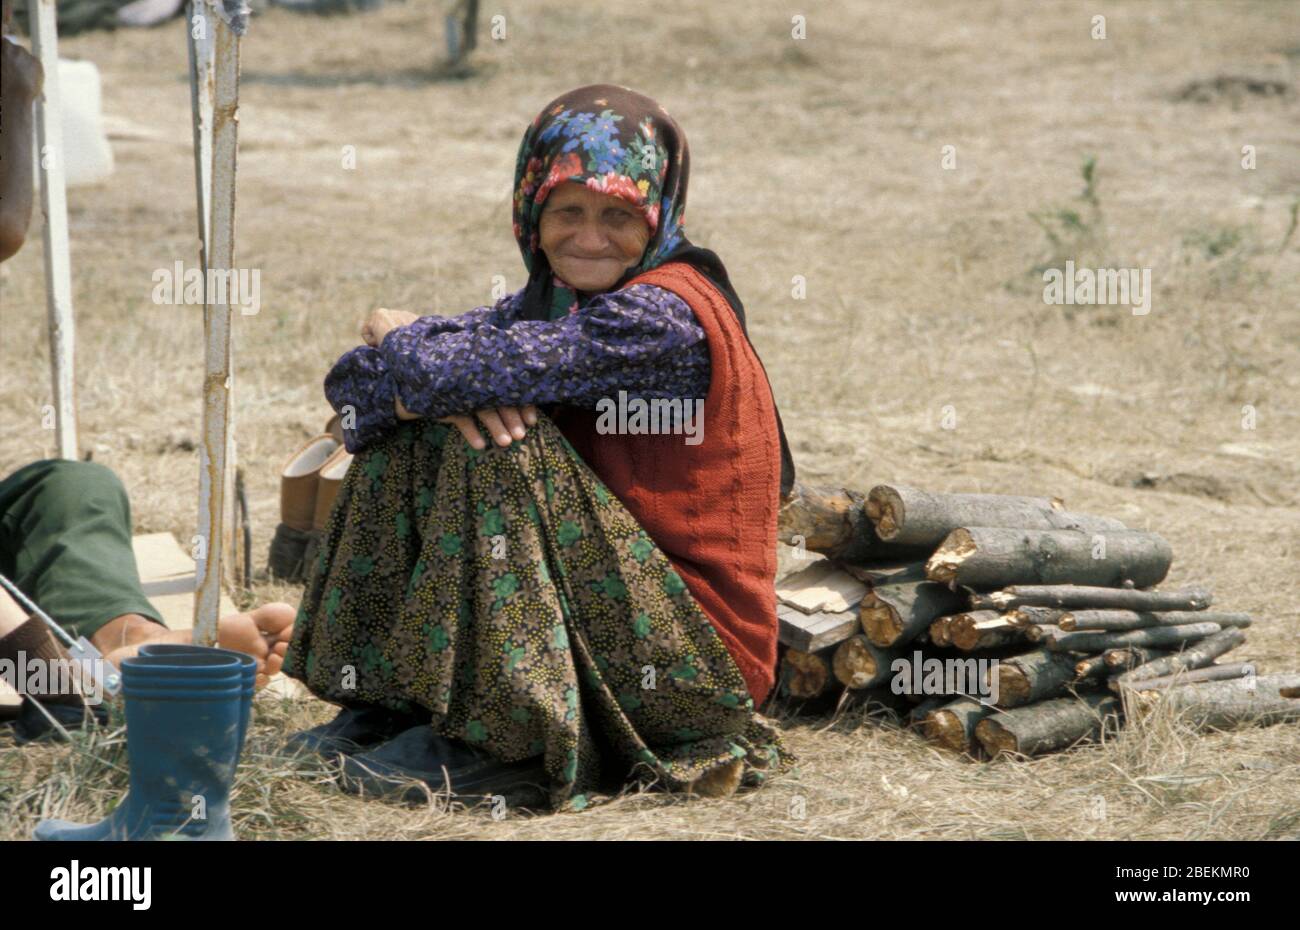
335, 428
300, 480
331, 479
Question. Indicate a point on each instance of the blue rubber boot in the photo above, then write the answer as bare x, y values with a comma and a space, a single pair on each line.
183, 714
248, 669
247, 665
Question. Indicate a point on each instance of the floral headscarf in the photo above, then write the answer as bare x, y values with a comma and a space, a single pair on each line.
622, 143
617, 142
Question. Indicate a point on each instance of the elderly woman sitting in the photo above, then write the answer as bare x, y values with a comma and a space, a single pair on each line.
573, 607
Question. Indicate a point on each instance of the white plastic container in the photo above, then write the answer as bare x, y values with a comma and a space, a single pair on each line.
87, 158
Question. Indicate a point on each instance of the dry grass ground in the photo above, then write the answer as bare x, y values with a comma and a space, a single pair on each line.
819, 158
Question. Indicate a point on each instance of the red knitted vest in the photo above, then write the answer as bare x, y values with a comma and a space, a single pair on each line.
710, 507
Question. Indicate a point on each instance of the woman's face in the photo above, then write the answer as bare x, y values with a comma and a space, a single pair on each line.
590, 238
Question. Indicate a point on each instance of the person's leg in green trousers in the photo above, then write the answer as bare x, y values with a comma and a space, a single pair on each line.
65, 542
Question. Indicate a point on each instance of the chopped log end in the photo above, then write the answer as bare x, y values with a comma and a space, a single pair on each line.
1089, 667
939, 631
955, 549
854, 664
963, 636
980, 630
886, 511
807, 675
943, 727
1013, 685
823, 519
880, 622
995, 738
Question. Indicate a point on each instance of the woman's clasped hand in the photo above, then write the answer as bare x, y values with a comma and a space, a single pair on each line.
505, 424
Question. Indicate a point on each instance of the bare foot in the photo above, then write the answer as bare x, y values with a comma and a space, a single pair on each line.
263, 633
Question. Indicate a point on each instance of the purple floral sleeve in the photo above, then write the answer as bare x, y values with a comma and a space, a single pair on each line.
643, 339
360, 384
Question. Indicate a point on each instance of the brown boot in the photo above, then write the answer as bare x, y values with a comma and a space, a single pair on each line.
331, 479
300, 480
335, 428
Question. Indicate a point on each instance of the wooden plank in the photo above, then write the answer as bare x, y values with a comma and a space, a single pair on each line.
822, 586
167, 574
813, 632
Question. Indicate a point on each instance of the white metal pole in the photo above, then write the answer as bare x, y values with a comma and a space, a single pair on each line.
201, 48
54, 207
215, 464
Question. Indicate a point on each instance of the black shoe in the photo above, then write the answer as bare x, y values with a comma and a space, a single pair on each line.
351, 731
289, 558
31, 725
444, 765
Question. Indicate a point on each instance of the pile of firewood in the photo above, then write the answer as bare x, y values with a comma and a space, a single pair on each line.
1056, 611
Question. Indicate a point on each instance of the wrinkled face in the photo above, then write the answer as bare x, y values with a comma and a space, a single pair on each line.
590, 238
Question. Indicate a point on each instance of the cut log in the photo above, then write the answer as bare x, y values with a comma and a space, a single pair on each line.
1139, 620
982, 629
953, 725
1133, 656
1226, 704
806, 674
939, 630
1208, 673
1084, 597
1035, 616
1038, 633
994, 557
1047, 725
895, 614
875, 573
1093, 667
1197, 655
917, 716
908, 516
1152, 636
831, 521
858, 664
1031, 677
813, 632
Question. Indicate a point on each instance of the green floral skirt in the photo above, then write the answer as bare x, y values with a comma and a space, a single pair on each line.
510, 595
